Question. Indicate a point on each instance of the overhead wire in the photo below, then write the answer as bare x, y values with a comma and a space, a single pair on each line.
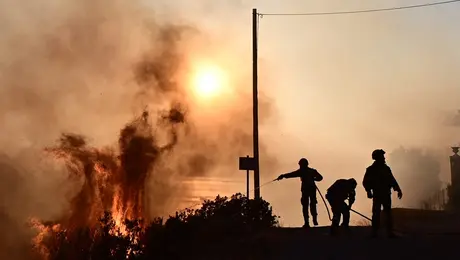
261, 15
361, 11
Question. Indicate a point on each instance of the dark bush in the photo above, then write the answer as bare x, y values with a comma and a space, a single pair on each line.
217, 222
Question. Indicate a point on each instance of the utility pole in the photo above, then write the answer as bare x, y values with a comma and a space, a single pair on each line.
247, 180
255, 104
454, 198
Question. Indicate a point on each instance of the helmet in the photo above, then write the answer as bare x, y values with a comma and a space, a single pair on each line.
353, 182
303, 162
377, 153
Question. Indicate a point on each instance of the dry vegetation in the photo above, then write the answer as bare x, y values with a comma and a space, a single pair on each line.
216, 224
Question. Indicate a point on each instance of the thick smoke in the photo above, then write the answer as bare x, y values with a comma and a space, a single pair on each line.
115, 179
13, 239
419, 173
81, 70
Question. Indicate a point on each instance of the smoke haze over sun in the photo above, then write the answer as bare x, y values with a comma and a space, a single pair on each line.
332, 89
209, 81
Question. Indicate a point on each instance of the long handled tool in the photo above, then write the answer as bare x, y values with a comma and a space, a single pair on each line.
325, 204
329, 214
356, 212
327, 208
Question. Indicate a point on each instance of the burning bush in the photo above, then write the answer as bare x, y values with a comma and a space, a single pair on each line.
112, 182
222, 220
108, 217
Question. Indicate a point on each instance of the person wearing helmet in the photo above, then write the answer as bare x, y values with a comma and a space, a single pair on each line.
308, 176
340, 191
378, 182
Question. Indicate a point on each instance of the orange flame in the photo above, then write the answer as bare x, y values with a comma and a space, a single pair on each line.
112, 182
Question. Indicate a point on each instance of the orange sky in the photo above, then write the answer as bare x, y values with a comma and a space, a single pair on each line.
341, 85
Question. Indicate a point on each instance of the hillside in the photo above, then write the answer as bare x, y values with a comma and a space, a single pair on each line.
422, 235
427, 221
296, 243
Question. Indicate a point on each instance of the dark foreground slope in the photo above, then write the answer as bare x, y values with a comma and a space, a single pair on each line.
422, 235
315, 243
226, 229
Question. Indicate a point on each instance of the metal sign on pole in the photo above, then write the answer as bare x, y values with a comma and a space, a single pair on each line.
248, 164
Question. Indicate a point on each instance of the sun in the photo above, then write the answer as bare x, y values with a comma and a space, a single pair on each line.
208, 81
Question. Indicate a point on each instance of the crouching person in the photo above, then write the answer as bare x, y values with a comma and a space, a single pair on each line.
340, 191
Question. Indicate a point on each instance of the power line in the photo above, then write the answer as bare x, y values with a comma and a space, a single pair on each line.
362, 11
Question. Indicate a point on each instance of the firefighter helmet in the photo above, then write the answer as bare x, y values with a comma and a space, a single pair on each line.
353, 182
303, 162
377, 154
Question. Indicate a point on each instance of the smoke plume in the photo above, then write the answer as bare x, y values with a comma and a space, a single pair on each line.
76, 72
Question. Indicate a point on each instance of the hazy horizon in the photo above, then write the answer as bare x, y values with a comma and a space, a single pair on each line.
333, 88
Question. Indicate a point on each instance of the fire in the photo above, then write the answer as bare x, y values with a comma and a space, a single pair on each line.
118, 216
44, 231
113, 191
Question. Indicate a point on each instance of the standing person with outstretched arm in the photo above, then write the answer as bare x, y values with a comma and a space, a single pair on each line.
378, 182
308, 176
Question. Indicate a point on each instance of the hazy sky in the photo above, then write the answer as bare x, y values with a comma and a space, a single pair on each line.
342, 85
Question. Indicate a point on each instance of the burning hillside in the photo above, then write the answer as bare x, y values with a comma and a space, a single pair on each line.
114, 180
78, 70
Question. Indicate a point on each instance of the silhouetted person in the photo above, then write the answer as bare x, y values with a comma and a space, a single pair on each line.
340, 191
308, 176
378, 182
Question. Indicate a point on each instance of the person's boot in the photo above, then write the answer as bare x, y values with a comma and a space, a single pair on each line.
307, 224
346, 229
315, 221
306, 221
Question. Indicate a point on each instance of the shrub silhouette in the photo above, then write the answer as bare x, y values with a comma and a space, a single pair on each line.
219, 222
233, 214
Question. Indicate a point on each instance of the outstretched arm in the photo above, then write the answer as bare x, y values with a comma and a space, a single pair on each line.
294, 174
